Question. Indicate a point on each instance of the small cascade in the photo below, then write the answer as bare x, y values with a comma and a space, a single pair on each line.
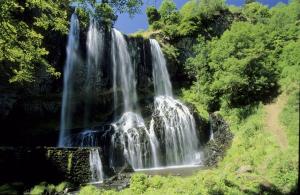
88, 138
177, 129
129, 131
211, 132
72, 57
96, 166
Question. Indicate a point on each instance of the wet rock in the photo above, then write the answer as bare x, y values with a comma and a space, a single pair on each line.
216, 147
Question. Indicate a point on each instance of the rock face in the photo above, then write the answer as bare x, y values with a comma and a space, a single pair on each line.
54, 165
37, 108
216, 147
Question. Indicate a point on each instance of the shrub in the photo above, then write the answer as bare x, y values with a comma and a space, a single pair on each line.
152, 14
89, 190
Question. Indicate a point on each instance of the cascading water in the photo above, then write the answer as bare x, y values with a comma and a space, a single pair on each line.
123, 73
181, 144
130, 129
161, 79
95, 166
95, 48
178, 131
72, 57
171, 138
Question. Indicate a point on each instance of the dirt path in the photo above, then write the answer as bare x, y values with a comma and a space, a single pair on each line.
273, 125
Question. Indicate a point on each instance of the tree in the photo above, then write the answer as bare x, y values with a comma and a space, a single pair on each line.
152, 14
256, 12
22, 50
236, 69
168, 10
249, 1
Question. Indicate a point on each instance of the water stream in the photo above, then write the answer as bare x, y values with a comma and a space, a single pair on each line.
72, 57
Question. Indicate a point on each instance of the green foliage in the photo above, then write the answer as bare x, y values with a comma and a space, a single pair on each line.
256, 12
236, 68
62, 186
138, 183
22, 24
131, 7
152, 15
89, 190
167, 10
45, 188
249, 1
105, 14
289, 63
210, 7
244, 64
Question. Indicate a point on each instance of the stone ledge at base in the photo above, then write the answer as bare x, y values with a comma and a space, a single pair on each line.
50, 164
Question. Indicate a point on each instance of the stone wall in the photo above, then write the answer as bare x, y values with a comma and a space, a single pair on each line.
54, 165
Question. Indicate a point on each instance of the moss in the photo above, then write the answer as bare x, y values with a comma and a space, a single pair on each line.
62, 186
70, 157
38, 189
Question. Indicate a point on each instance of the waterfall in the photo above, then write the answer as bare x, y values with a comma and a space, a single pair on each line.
88, 138
72, 57
130, 129
123, 73
177, 125
161, 79
95, 46
95, 166
179, 131
169, 139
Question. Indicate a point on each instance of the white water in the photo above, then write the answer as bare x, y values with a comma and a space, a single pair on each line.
88, 139
72, 57
96, 166
130, 129
123, 73
180, 138
161, 78
95, 46
181, 144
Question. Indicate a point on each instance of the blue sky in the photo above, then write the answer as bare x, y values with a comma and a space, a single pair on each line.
129, 25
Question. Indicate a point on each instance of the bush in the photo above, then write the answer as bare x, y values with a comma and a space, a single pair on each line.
152, 14
139, 183
89, 190
62, 186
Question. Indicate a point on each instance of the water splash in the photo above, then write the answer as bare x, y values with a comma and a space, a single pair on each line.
72, 57
177, 131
